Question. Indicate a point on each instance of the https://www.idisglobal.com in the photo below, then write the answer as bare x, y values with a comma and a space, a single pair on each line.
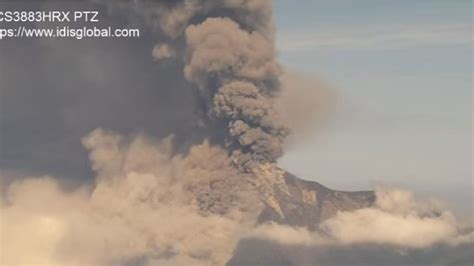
68, 32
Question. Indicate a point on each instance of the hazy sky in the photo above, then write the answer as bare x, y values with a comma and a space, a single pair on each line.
403, 77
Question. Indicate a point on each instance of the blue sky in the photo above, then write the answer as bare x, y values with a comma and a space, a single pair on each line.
402, 73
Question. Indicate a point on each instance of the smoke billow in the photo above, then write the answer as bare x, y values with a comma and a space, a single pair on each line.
229, 55
241, 66
237, 69
147, 204
154, 203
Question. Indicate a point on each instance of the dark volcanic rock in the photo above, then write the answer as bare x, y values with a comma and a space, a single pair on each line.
307, 203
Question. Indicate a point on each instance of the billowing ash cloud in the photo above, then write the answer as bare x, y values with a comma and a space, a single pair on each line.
229, 55
152, 207
237, 69
154, 203
149, 206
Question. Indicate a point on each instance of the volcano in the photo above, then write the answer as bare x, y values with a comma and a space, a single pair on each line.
307, 203
297, 203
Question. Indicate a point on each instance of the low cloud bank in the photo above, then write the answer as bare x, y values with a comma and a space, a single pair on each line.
398, 230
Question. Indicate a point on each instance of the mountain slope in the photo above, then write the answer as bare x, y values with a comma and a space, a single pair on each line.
307, 203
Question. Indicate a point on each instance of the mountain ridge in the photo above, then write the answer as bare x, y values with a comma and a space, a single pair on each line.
307, 203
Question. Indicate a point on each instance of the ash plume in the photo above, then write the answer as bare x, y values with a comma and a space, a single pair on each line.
147, 204
152, 205
212, 68
238, 70
229, 55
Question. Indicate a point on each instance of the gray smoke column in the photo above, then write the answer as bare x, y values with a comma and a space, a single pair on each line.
228, 52
238, 70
